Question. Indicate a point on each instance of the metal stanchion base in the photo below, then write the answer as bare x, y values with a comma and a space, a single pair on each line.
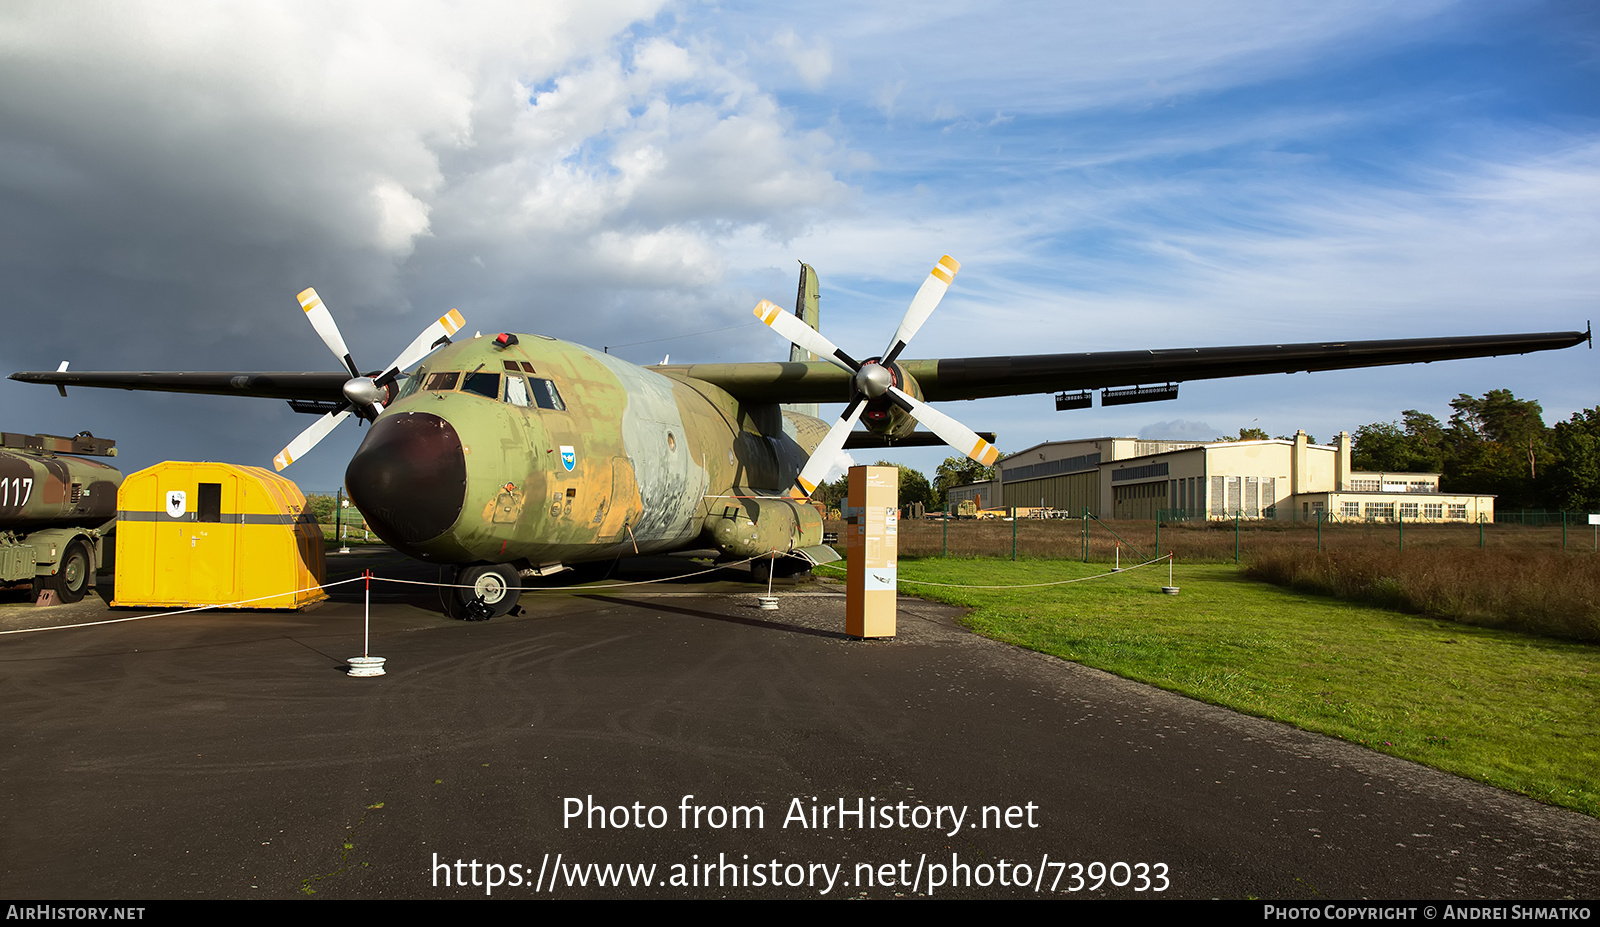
366, 666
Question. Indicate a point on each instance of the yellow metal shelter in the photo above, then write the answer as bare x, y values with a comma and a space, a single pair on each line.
215, 534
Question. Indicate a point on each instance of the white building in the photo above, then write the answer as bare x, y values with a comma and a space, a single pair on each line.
1287, 480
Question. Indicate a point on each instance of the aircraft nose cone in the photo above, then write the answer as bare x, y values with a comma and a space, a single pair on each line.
409, 477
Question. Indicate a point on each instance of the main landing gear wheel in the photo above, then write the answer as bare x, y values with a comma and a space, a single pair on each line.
72, 575
488, 591
790, 571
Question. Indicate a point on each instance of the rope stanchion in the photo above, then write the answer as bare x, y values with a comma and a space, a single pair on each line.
366, 664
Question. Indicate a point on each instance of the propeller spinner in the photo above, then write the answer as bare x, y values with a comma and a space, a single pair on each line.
874, 378
363, 395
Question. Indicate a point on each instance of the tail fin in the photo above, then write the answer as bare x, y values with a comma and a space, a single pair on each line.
807, 308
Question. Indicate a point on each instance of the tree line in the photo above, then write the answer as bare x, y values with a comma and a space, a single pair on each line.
1494, 443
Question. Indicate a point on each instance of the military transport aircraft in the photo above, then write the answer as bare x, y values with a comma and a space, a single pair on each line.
513, 455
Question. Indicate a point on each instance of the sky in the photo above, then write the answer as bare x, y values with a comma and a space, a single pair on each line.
639, 174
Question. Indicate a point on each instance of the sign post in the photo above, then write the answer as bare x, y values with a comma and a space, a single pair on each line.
872, 522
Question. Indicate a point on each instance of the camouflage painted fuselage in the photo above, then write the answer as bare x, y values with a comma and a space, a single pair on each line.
542, 451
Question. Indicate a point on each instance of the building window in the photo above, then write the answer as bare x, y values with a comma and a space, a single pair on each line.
1350, 509
1379, 511
1433, 511
1458, 512
1408, 510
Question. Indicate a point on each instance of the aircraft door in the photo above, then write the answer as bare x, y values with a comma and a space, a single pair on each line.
625, 504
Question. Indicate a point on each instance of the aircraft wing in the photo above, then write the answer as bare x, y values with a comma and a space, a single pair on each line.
317, 387
985, 377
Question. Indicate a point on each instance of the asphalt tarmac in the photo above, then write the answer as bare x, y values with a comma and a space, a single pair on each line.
707, 746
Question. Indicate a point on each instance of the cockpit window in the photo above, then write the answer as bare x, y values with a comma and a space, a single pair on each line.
443, 381
533, 391
409, 383
484, 384
517, 391
545, 394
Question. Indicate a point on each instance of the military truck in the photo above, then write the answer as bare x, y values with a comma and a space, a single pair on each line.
56, 509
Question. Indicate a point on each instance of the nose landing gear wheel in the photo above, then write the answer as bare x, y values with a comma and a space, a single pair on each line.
485, 591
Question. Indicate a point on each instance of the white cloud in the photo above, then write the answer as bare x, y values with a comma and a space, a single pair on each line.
813, 62
352, 147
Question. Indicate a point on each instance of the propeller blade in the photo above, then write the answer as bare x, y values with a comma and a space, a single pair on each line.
953, 432
448, 324
791, 327
322, 321
922, 305
308, 439
823, 457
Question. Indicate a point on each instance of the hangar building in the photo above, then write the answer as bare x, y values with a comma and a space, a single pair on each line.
1287, 480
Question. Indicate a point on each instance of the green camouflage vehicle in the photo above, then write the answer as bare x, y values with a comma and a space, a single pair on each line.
55, 511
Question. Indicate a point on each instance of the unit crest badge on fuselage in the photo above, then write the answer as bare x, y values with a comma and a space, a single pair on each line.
569, 457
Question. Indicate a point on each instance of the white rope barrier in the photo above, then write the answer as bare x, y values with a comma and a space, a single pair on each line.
568, 589
1063, 582
201, 608
381, 579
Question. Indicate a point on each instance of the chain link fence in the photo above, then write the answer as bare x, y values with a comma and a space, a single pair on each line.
1226, 540
342, 523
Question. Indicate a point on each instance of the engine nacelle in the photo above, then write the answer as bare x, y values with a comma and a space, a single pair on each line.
883, 417
756, 527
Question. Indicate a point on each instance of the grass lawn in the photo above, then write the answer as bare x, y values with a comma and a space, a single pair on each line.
1510, 709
